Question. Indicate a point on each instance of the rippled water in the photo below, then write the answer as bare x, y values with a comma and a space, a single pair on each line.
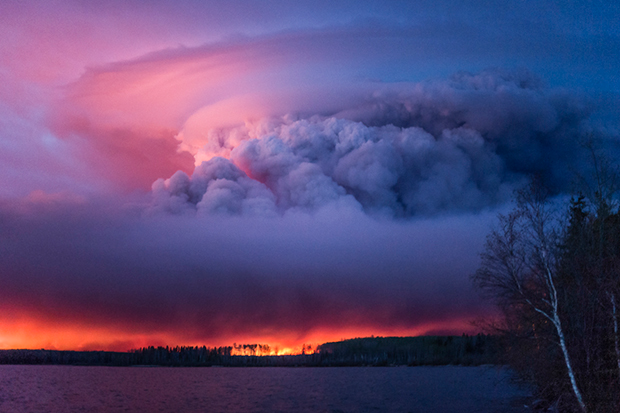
351, 389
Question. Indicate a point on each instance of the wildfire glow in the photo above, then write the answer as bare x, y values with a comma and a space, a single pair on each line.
30, 333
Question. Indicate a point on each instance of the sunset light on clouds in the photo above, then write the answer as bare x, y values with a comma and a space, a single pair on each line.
278, 172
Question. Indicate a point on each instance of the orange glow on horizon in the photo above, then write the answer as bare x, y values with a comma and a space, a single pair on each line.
41, 334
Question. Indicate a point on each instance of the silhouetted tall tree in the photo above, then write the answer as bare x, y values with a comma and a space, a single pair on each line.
520, 268
555, 276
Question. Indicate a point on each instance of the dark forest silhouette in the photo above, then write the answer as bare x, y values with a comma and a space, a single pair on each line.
371, 351
553, 271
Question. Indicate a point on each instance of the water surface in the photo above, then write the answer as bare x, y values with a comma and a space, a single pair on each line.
211, 389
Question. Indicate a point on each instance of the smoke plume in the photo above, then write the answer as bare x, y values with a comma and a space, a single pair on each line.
418, 149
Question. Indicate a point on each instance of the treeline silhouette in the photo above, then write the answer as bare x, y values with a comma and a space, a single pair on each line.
413, 351
371, 351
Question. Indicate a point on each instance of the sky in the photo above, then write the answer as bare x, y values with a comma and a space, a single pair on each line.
281, 172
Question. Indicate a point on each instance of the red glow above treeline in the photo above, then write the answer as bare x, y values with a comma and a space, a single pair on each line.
34, 334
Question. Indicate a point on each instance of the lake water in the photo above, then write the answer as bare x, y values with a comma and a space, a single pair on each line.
213, 389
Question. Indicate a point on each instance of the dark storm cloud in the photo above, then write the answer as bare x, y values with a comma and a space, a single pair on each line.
213, 278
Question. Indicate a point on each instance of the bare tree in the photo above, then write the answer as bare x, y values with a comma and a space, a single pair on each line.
520, 266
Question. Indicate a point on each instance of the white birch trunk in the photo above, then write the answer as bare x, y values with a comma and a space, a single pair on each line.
554, 317
553, 295
569, 367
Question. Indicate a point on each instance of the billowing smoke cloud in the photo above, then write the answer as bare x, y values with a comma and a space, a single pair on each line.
332, 196
461, 144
